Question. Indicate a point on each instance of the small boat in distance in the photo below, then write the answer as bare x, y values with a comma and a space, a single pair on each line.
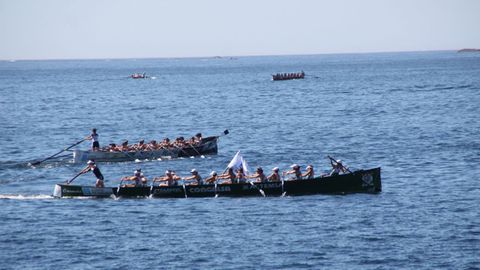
138, 76
288, 76
468, 50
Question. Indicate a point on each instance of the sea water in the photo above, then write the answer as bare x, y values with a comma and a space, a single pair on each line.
414, 114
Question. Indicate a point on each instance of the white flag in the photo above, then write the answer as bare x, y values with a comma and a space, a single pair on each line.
238, 162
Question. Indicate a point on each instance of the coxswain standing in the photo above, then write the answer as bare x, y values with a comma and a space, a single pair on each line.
94, 138
91, 166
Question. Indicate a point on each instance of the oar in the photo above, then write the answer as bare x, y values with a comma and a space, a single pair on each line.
342, 164
52, 156
118, 189
184, 189
259, 189
71, 180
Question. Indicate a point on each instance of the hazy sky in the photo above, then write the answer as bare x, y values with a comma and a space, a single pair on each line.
51, 29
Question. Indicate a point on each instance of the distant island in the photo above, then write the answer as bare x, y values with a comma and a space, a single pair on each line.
468, 50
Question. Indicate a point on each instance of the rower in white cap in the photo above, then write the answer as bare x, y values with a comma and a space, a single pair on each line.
295, 171
170, 179
195, 176
212, 179
138, 179
91, 166
309, 174
274, 176
337, 167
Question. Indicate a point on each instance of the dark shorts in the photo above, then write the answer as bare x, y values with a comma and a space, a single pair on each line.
96, 145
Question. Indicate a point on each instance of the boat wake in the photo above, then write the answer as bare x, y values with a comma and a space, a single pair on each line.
25, 197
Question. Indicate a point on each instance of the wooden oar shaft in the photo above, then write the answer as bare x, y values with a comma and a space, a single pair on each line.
63, 150
340, 163
71, 180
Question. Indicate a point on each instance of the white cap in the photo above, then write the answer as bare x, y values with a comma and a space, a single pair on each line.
137, 172
275, 169
213, 173
339, 161
90, 162
167, 172
309, 167
193, 170
294, 165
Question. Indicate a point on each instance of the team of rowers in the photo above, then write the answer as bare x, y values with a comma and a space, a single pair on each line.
228, 177
288, 76
179, 142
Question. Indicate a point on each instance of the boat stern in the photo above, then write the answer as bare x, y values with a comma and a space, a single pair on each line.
57, 191
79, 156
372, 180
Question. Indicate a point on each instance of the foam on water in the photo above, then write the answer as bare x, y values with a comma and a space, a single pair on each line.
26, 197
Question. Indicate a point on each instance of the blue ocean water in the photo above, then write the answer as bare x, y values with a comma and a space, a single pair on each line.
414, 114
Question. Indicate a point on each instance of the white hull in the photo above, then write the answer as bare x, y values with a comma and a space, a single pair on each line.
207, 147
80, 156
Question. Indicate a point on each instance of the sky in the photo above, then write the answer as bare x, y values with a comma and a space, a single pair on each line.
99, 29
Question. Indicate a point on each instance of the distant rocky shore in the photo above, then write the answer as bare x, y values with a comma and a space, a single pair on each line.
468, 50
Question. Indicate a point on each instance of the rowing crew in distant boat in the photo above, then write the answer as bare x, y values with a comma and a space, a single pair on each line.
138, 76
288, 76
154, 145
195, 146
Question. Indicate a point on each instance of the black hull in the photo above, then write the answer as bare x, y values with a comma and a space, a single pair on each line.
362, 181
286, 79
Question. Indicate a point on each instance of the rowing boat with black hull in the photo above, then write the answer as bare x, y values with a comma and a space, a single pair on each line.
360, 181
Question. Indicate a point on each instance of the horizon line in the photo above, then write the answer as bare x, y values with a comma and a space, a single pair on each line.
218, 56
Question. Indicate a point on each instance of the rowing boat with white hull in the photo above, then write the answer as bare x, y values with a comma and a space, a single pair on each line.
361, 181
208, 146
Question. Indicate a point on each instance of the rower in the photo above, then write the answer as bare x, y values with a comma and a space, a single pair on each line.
124, 146
259, 175
195, 176
275, 176
170, 179
138, 179
309, 174
152, 145
295, 171
198, 138
212, 179
112, 148
337, 167
229, 177
240, 176
91, 166
141, 145
94, 138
